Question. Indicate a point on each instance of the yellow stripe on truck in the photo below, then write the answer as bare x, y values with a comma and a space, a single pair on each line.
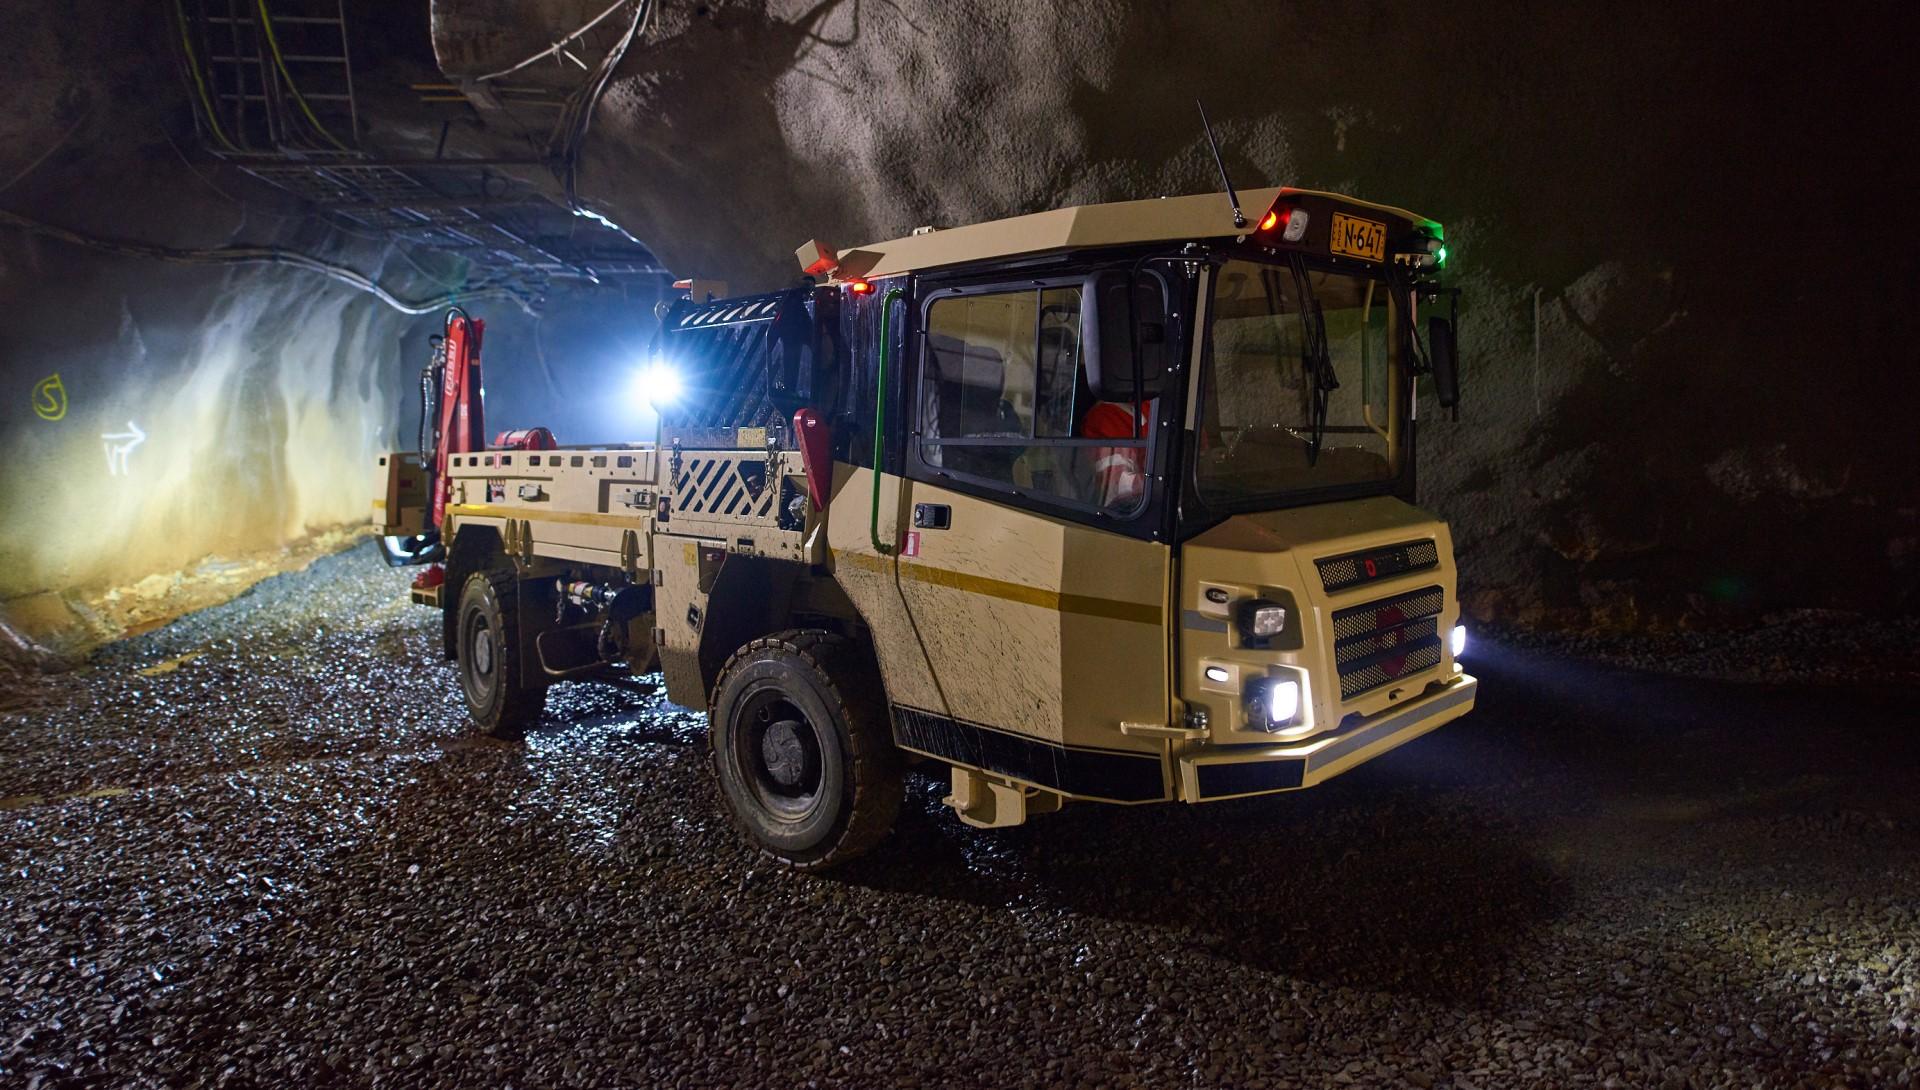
534, 514
1083, 604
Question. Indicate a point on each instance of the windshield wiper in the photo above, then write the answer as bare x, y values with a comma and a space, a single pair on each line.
1315, 358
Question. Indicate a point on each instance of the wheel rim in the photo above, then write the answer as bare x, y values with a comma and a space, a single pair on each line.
480, 657
483, 650
778, 750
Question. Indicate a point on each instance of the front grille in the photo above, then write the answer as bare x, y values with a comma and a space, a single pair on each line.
1337, 573
1386, 640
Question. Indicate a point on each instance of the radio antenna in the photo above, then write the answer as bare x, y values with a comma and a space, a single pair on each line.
1239, 219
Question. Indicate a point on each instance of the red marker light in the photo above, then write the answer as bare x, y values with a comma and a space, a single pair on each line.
1268, 224
859, 287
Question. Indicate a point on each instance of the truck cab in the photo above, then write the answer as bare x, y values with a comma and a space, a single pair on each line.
1104, 504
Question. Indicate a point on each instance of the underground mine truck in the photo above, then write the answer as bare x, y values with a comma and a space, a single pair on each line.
1109, 503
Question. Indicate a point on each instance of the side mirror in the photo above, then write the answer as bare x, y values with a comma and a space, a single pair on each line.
1443, 352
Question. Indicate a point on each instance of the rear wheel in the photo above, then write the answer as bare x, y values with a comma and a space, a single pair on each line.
802, 748
499, 698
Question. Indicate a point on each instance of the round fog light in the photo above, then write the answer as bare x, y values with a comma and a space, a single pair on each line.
1457, 640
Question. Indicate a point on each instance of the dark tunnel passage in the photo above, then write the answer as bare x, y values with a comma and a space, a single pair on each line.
1550, 734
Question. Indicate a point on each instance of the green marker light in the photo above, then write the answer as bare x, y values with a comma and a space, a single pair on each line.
1440, 256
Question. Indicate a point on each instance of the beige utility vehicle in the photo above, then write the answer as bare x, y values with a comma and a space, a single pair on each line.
1105, 504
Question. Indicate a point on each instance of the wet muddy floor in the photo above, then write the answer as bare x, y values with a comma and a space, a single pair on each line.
261, 846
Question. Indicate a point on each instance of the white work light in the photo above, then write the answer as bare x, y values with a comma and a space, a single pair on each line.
1283, 702
1273, 703
1457, 640
1260, 619
658, 385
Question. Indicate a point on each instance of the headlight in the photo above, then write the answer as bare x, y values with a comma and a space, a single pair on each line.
1260, 619
1273, 703
1457, 640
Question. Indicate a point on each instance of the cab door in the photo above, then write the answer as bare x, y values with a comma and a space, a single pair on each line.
1045, 631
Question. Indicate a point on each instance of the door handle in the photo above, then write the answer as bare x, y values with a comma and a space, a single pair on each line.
932, 516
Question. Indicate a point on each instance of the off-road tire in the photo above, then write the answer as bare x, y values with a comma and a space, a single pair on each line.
834, 689
501, 701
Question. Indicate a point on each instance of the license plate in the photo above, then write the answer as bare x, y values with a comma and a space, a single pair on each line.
1360, 238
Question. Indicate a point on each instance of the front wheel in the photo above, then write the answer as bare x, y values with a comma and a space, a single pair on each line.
802, 748
500, 700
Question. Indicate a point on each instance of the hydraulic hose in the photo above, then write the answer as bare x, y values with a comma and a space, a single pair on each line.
880, 416
429, 389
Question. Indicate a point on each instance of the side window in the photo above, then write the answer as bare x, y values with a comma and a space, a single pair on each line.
980, 366
1010, 395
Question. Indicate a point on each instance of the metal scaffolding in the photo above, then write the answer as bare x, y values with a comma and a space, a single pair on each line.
277, 100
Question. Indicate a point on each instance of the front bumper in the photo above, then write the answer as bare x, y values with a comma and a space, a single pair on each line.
1227, 772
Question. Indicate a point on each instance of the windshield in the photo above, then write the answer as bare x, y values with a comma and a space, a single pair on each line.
1301, 391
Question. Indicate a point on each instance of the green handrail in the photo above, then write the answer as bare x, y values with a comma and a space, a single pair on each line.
880, 416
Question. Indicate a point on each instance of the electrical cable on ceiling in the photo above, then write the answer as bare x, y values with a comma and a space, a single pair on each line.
568, 135
194, 79
273, 45
265, 255
47, 154
577, 118
327, 222
559, 46
247, 209
419, 268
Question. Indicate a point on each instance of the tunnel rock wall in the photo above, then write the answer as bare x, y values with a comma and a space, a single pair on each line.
1671, 224
158, 413
157, 419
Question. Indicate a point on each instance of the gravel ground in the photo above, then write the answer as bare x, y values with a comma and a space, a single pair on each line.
1802, 646
278, 856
